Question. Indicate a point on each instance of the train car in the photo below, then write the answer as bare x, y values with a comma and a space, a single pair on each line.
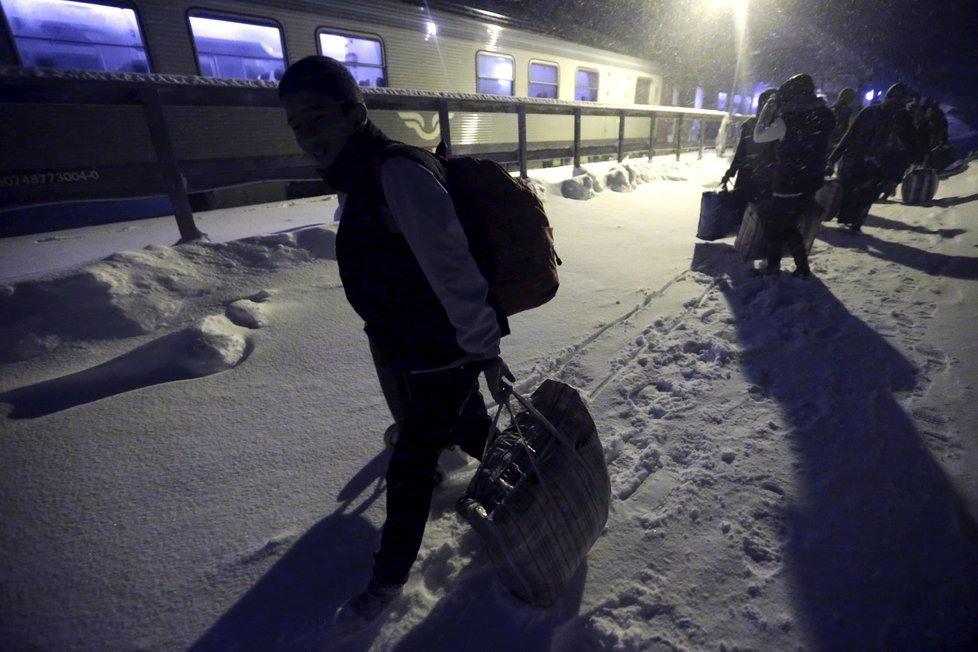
384, 43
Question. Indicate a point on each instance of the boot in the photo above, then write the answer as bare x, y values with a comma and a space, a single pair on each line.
362, 609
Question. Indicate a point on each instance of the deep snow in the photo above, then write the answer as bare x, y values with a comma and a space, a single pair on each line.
191, 454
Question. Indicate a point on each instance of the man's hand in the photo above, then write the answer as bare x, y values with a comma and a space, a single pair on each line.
726, 177
495, 371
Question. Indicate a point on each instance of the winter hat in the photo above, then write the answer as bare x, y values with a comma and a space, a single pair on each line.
321, 75
897, 92
798, 90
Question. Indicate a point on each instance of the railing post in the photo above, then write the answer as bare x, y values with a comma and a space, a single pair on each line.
521, 129
577, 138
175, 183
445, 127
621, 136
653, 119
679, 136
702, 138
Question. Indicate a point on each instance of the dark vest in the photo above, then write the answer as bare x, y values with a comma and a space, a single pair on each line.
381, 277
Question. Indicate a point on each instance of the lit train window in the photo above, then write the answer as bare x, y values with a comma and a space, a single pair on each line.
543, 79
237, 49
76, 35
494, 74
586, 85
363, 56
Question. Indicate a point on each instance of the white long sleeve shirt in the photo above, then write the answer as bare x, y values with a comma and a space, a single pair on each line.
423, 212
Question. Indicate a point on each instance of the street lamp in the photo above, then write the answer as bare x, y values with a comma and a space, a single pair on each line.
740, 39
740, 35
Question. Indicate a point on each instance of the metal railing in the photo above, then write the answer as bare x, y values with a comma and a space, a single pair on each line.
163, 172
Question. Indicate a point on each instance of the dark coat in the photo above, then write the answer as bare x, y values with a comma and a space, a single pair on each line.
753, 163
801, 154
879, 133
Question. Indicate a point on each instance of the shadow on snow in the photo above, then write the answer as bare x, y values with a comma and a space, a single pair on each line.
289, 609
881, 551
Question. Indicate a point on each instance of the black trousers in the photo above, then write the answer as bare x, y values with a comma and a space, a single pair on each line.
780, 217
439, 409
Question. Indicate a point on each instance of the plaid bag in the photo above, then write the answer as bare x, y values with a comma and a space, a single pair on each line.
541, 495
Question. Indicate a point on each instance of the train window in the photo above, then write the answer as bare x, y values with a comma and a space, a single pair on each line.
543, 79
237, 49
643, 88
494, 73
363, 56
586, 85
74, 35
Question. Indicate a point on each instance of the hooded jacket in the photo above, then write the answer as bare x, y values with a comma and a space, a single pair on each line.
801, 127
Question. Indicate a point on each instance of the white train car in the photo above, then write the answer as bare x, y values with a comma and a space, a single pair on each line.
385, 43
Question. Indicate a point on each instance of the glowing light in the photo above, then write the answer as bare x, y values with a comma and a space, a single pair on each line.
432, 30
503, 70
870, 95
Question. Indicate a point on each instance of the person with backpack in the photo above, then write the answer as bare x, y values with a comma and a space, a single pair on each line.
844, 109
407, 270
867, 150
753, 163
799, 124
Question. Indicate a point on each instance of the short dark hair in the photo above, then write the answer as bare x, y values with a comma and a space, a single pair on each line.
323, 75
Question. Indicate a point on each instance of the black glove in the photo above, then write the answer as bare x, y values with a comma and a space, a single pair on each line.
726, 177
497, 373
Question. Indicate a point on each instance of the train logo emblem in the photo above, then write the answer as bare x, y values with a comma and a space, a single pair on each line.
419, 124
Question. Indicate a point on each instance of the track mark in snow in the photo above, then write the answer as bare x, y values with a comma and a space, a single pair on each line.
677, 323
568, 361
275, 547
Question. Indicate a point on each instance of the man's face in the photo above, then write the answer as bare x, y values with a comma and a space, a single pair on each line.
319, 124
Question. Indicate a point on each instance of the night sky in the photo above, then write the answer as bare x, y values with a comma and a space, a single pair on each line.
931, 45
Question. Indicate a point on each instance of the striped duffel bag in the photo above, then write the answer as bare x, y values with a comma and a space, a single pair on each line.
541, 495
919, 186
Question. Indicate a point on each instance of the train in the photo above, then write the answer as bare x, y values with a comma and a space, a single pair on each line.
386, 44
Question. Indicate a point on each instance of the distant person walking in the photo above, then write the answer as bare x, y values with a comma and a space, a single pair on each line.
844, 111
753, 163
867, 149
800, 126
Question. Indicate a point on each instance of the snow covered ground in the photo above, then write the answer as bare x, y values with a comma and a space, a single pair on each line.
191, 454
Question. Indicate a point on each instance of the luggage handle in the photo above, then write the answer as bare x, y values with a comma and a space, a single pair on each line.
509, 391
